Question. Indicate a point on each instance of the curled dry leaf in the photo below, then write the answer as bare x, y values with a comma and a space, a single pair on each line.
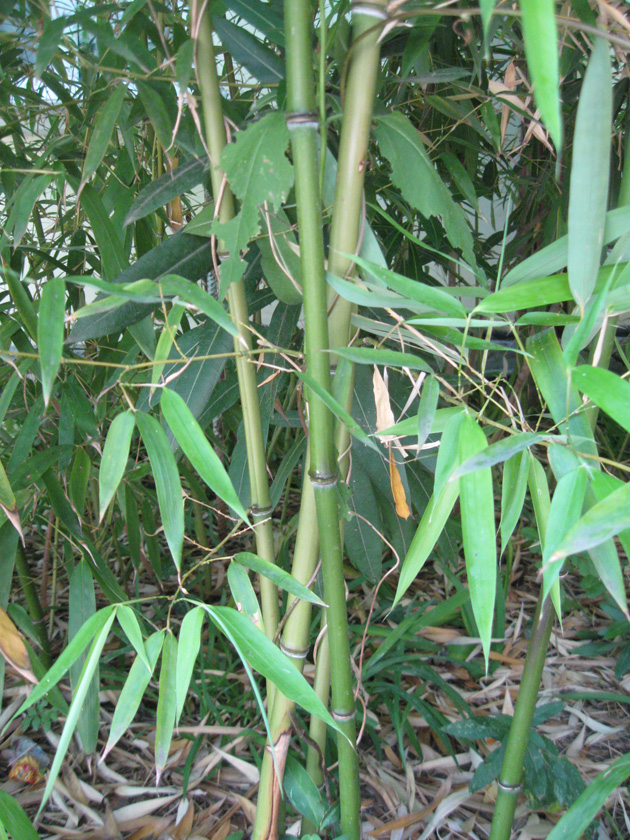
398, 491
13, 648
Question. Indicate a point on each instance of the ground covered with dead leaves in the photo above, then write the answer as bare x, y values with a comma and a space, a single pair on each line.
415, 783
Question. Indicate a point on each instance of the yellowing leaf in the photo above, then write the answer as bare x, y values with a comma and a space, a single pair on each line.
13, 648
398, 491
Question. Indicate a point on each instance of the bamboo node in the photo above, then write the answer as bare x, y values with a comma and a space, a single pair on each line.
513, 790
260, 512
343, 717
321, 482
375, 10
302, 119
293, 654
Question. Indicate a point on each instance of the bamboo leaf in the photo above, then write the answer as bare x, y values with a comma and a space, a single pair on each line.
500, 451
133, 691
431, 525
338, 410
76, 708
382, 356
601, 522
14, 818
49, 43
191, 293
487, 7
130, 627
167, 187
23, 202
165, 342
50, 332
156, 110
262, 16
541, 51
167, 703
8, 502
243, 594
283, 580
429, 397
103, 128
607, 390
252, 645
82, 606
198, 450
167, 483
114, 459
261, 62
585, 808
478, 532
513, 488
588, 195
566, 507
187, 651
608, 567
110, 247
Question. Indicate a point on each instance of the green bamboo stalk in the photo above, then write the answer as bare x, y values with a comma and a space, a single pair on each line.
255, 445
323, 464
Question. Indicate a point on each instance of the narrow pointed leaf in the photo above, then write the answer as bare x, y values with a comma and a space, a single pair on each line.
114, 459
167, 702
607, 390
283, 580
191, 293
103, 128
382, 356
187, 651
129, 624
167, 483
172, 184
566, 507
513, 489
133, 691
243, 593
82, 606
500, 451
541, 51
50, 332
428, 406
165, 342
8, 502
197, 448
14, 818
601, 522
478, 532
590, 173
76, 708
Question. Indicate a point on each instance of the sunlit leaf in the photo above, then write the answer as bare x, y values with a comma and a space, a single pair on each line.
114, 459
541, 50
187, 651
167, 703
283, 580
50, 332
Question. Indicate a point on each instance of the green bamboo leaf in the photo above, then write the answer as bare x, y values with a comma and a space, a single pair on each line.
198, 450
69, 655
487, 7
172, 184
243, 594
253, 646
566, 507
82, 606
262, 16
49, 43
337, 409
285, 248
576, 338
541, 50
14, 818
191, 293
429, 397
133, 690
430, 297
77, 707
167, 702
79, 479
187, 651
607, 390
8, 502
261, 62
283, 580
554, 257
478, 532
114, 459
606, 561
601, 522
157, 112
416, 177
503, 449
103, 128
165, 342
50, 332
130, 627
431, 525
585, 808
382, 356
27, 194
513, 488
167, 483
110, 246
590, 172
448, 453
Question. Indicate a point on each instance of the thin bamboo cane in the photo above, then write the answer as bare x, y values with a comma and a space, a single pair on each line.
255, 445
